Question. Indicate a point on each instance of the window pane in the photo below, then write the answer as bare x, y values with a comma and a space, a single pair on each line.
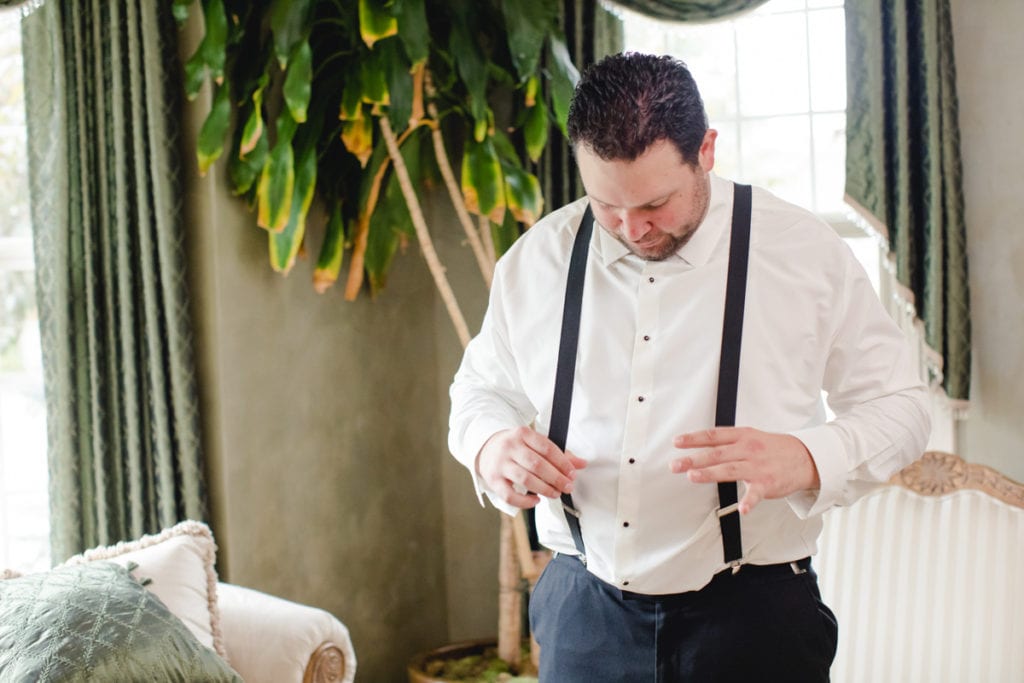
776, 155
641, 33
772, 64
777, 6
14, 211
830, 162
24, 518
828, 59
727, 149
710, 53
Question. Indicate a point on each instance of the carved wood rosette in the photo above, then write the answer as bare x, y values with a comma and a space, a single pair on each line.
937, 473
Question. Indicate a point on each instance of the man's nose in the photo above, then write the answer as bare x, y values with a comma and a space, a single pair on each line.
633, 226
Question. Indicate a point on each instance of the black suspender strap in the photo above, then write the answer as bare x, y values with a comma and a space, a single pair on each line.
728, 374
565, 371
729, 368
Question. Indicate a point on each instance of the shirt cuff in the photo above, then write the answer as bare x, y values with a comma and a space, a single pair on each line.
826, 451
476, 436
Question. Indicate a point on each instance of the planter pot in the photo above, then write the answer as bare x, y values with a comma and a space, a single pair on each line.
421, 671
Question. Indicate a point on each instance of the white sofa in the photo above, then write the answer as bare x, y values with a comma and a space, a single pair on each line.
926, 577
264, 638
271, 640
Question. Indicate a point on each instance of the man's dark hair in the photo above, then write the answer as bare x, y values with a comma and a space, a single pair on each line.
626, 102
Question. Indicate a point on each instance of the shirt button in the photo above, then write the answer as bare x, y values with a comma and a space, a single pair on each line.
625, 524
650, 279
625, 583
632, 460
647, 337
640, 398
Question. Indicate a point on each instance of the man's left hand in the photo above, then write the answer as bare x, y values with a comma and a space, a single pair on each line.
772, 465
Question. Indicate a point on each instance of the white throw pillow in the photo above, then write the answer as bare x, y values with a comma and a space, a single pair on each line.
179, 566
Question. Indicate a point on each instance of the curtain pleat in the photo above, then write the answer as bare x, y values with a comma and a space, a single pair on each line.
102, 98
591, 32
688, 10
903, 165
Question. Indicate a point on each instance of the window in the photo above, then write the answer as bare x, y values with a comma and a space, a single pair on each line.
24, 518
774, 84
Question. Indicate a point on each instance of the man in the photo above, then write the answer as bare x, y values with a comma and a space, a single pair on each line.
663, 569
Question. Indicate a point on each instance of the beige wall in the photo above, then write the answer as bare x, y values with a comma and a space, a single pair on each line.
989, 52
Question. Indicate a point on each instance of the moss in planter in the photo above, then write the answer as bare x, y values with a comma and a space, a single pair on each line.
485, 667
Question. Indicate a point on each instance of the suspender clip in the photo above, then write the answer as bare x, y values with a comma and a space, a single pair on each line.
572, 511
728, 510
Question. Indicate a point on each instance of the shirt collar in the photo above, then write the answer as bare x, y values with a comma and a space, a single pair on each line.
701, 246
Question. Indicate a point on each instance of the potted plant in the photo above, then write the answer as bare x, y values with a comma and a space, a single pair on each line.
356, 105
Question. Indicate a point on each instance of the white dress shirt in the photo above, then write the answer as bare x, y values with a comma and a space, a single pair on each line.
647, 370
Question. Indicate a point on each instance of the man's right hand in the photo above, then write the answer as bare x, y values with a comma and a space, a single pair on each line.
531, 460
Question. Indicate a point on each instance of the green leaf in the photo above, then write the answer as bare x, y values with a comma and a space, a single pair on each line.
284, 245
505, 150
472, 69
375, 22
527, 23
482, 180
210, 55
277, 181
289, 22
332, 252
399, 85
564, 77
352, 96
211, 136
505, 234
298, 81
390, 227
373, 75
523, 195
413, 30
535, 130
180, 10
215, 40
253, 129
245, 167
195, 73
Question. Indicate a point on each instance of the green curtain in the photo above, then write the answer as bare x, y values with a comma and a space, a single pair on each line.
903, 166
123, 432
689, 10
591, 32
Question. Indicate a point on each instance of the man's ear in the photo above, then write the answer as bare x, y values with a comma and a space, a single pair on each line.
706, 154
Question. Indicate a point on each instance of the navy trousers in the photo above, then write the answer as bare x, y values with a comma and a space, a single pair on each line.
761, 624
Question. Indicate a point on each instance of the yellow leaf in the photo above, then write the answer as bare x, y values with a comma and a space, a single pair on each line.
358, 138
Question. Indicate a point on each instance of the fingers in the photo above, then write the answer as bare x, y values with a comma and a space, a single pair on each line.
772, 465
752, 497
708, 438
518, 460
566, 463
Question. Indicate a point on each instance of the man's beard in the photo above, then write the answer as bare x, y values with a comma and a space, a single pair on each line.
668, 244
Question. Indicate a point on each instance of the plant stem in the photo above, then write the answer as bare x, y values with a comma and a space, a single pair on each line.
487, 238
362, 231
484, 260
423, 234
510, 627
